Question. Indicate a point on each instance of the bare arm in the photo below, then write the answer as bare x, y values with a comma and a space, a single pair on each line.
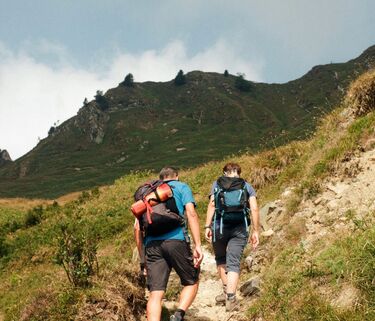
138, 236
209, 216
192, 218
255, 221
193, 221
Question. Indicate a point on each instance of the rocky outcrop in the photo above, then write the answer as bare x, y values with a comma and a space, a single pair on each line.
91, 120
4, 157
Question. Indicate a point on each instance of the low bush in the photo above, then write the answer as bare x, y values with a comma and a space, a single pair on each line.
4, 247
34, 216
76, 252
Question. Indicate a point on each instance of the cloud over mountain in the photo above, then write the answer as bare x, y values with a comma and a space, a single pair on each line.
34, 94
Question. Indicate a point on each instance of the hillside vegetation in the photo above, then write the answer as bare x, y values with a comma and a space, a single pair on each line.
35, 286
147, 125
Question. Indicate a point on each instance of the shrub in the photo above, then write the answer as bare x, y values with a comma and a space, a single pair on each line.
34, 216
76, 252
95, 192
128, 81
361, 94
180, 79
101, 100
85, 196
242, 84
51, 130
4, 248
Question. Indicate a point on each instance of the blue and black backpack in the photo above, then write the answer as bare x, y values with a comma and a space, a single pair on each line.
231, 202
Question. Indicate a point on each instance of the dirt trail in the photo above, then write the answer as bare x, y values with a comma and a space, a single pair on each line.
204, 307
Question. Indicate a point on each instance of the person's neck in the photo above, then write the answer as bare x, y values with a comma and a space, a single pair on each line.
233, 176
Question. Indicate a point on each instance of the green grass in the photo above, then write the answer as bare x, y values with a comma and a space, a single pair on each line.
291, 289
353, 259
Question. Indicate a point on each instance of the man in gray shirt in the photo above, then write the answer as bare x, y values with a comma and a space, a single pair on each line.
227, 227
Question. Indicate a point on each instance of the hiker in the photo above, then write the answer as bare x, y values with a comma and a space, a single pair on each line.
171, 249
227, 227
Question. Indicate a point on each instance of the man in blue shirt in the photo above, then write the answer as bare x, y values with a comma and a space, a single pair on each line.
172, 250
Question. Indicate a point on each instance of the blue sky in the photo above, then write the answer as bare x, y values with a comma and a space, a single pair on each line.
53, 53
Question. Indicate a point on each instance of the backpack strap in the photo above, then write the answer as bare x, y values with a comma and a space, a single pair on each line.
148, 211
214, 228
246, 208
245, 219
221, 222
216, 201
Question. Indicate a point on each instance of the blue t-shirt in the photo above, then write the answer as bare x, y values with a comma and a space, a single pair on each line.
182, 195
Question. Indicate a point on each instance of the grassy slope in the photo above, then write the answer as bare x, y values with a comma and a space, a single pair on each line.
140, 131
27, 269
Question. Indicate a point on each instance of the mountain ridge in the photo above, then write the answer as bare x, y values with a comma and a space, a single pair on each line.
151, 124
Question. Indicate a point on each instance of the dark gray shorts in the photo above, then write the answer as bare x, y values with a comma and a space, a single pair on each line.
229, 246
162, 256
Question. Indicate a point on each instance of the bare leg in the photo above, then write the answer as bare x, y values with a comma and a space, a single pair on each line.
222, 274
187, 296
154, 305
233, 278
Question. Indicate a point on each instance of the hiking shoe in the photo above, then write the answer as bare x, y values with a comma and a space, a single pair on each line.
231, 305
220, 299
175, 318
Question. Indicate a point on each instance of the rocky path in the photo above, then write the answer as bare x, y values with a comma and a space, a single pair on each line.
204, 307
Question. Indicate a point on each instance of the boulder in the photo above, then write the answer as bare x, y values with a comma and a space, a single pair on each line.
267, 233
264, 212
338, 189
251, 287
92, 121
4, 156
249, 262
288, 192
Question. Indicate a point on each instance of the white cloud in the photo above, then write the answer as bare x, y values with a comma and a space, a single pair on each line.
34, 94
163, 65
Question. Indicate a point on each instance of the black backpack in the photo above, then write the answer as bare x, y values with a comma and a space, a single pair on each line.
160, 218
231, 202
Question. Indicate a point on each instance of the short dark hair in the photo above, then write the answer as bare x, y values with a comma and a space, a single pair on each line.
168, 172
232, 167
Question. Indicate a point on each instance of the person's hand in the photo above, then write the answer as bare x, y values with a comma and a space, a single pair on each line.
254, 239
208, 235
143, 270
197, 256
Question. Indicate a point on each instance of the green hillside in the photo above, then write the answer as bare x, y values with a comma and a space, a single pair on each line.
298, 284
152, 124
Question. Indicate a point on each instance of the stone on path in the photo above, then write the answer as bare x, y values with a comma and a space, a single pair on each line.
249, 262
267, 233
251, 287
264, 212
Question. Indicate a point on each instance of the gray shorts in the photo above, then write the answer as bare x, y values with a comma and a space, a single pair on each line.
229, 246
162, 256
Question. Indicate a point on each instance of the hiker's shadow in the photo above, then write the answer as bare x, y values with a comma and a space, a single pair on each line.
192, 318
